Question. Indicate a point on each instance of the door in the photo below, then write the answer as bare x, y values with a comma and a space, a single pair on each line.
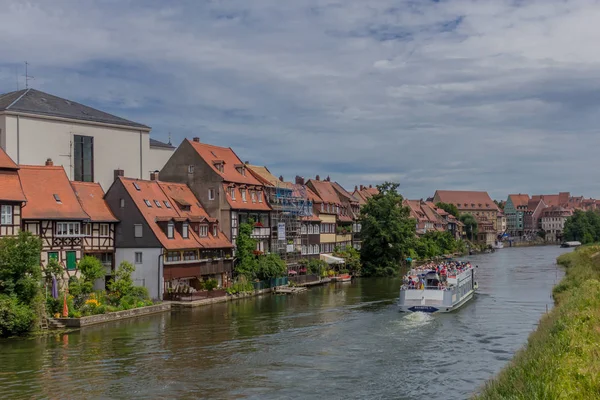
71, 260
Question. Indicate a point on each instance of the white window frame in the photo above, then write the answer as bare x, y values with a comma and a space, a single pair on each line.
185, 230
138, 257
260, 196
138, 231
203, 231
191, 169
104, 230
232, 193
68, 229
243, 191
6, 214
87, 229
211, 194
170, 230
253, 195
215, 230
122, 203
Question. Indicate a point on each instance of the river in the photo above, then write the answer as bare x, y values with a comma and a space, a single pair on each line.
341, 341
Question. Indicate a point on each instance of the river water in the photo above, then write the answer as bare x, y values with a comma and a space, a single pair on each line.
339, 341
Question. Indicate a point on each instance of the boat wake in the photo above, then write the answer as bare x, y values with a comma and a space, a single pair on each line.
416, 319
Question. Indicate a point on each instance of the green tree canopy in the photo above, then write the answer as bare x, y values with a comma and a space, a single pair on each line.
270, 266
246, 262
470, 225
388, 232
583, 227
20, 270
449, 208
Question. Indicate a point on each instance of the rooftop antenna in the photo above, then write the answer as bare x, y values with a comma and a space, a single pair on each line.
170, 139
27, 77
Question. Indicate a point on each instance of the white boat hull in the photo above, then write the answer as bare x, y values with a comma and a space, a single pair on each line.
432, 309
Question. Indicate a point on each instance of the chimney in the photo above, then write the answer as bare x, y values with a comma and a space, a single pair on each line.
118, 173
49, 162
318, 178
355, 188
247, 162
362, 187
370, 186
328, 179
299, 180
281, 178
196, 139
154, 176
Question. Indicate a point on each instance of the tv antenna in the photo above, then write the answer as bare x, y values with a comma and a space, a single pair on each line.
27, 76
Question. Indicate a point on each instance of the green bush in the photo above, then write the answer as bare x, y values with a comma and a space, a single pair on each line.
211, 284
241, 285
53, 306
15, 317
140, 292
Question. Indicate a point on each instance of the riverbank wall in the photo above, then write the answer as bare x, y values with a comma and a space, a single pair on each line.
560, 359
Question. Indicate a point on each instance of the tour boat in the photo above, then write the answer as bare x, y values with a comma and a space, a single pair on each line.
342, 278
432, 292
571, 244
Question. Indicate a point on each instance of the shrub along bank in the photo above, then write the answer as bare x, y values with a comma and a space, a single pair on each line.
560, 360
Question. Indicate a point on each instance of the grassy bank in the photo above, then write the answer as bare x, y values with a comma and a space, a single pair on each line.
562, 357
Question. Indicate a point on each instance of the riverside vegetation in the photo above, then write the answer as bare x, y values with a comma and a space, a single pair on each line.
23, 301
560, 360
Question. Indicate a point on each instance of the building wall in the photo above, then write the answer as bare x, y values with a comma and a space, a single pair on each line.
15, 227
114, 148
149, 273
158, 157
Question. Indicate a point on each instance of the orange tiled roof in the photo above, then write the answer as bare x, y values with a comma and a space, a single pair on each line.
312, 196
91, 198
239, 204
40, 185
519, 200
154, 193
6, 162
267, 178
467, 200
10, 186
211, 154
326, 192
343, 192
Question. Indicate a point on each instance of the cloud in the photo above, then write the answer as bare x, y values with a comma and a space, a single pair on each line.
499, 96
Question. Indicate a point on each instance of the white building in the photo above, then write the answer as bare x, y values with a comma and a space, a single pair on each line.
90, 144
553, 222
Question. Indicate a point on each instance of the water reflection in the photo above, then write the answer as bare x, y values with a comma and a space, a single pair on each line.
338, 341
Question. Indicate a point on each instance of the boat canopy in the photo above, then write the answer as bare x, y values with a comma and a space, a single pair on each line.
331, 259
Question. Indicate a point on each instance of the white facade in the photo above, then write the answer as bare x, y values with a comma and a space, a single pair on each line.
30, 140
149, 272
158, 157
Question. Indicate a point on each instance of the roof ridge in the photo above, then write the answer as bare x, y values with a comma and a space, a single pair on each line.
41, 166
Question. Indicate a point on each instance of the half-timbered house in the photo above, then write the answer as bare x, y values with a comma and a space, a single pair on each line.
54, 213
99, 230
165, 231
11, 196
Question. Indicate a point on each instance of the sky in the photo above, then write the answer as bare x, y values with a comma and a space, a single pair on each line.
501, 96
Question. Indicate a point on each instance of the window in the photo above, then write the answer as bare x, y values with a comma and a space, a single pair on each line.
303, 229
87, 229
147, 203
167, 204
122, 203
173, 256
104, 231
83, 158
185, 230
57, 198
215, 230
157, 203
189, 255
138, 257
232, 193
67, 228
211, 194
190, 169
136, 186
170, 230
260, 195
253, 196
6, 215
137, 230
303, 249
243, 194
203, 231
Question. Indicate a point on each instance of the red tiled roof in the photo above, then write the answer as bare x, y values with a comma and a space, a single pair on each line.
519, 200
6, 162
40, 184
532, 205
91, 198
561, 199
311, 218
210, 154
343, 192
326, 192
466, 200
344, 218
153, 192
10, 186
312, 196
239, 204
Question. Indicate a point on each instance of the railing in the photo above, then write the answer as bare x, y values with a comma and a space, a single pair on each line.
303, 278
199, 295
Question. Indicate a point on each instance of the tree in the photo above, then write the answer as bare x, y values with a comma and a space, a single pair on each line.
91, 270
20, 270
500, 204
388, 232
246, 262
351, 257
583, 227
470, 225
449, 208
123, 284
270, 266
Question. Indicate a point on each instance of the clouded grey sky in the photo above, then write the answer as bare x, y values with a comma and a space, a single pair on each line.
495, 95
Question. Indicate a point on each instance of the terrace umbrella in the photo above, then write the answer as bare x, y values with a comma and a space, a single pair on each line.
65, 307
54, 288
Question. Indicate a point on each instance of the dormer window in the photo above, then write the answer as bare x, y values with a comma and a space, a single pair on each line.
185, 230
157, 203
219, 165
170, 230
232, 193
203, 232
253, 196
241, 170
322, 207
148, 203
167, 204
259, 194
243, 194
136, 186
215, 230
